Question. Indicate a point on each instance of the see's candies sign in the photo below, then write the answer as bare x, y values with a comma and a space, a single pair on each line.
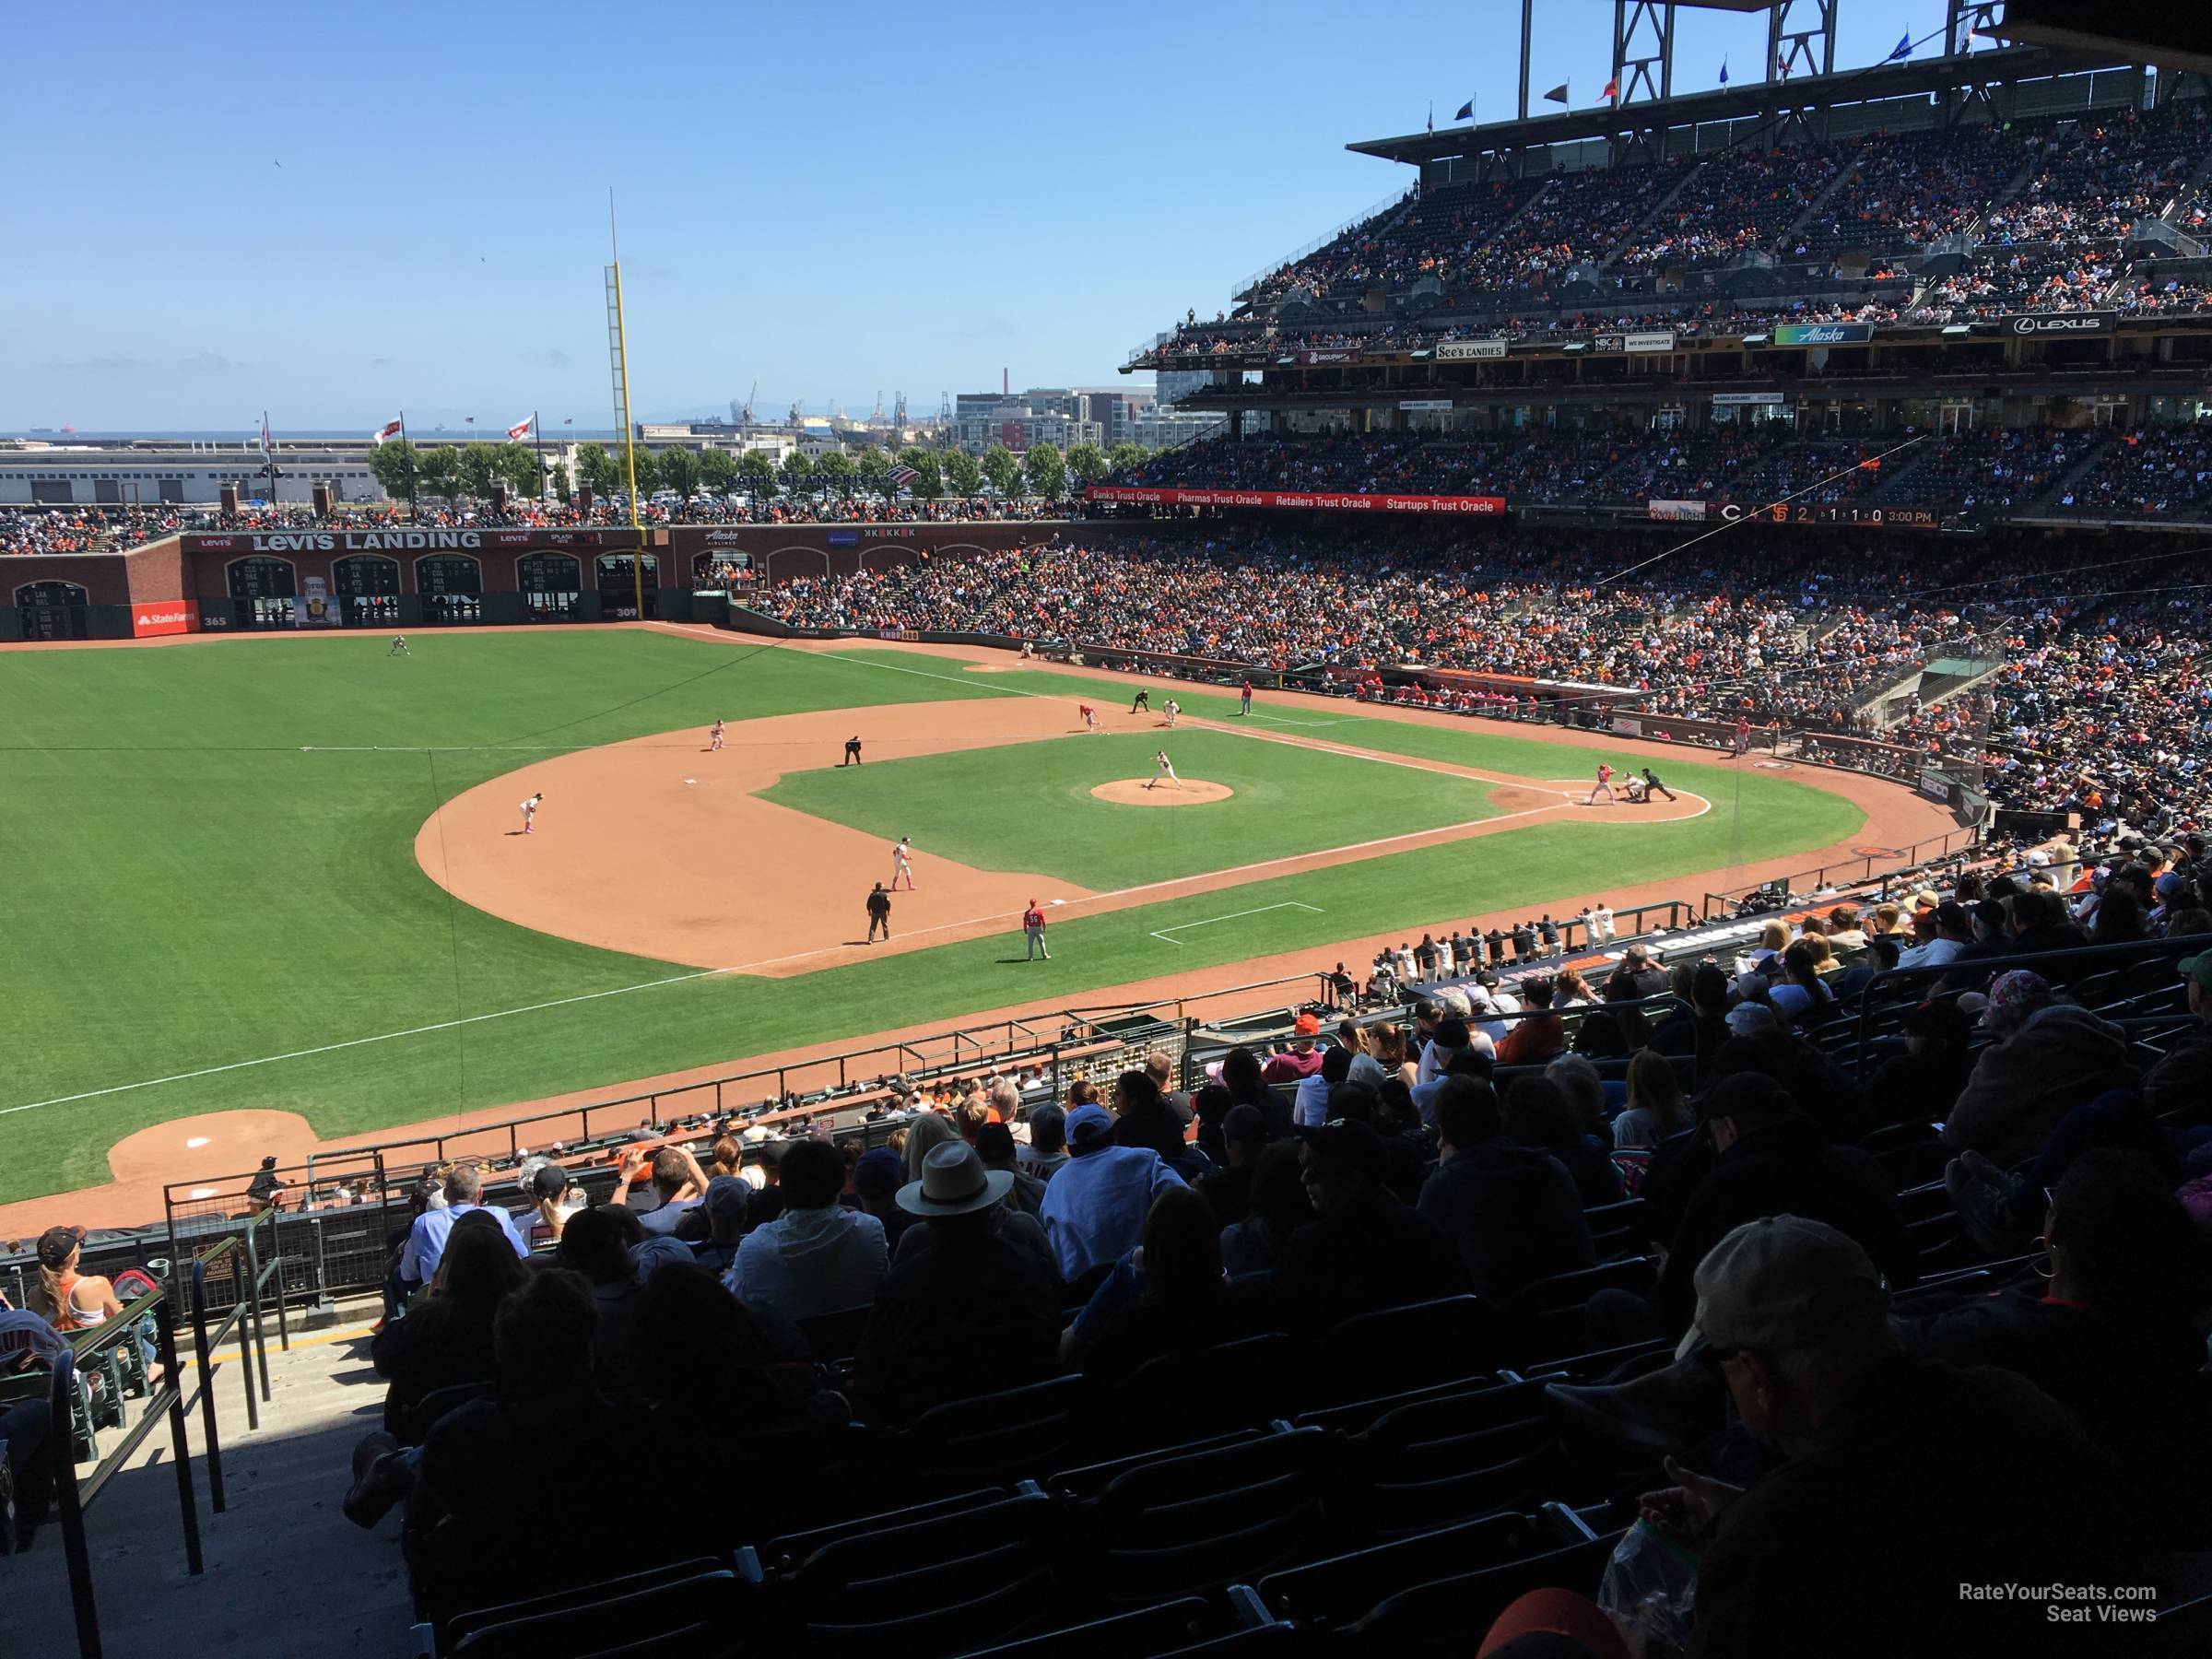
165, 616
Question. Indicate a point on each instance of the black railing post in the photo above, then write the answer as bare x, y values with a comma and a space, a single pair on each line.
284, 1328
204, 1366
165, 1327
260, 1341
71, 1506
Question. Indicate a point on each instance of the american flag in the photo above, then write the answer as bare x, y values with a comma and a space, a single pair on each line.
903, 476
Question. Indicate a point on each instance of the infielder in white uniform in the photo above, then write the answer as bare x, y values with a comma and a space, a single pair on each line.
1166, 770
1172, 709
530, 813
902, 863
714, 737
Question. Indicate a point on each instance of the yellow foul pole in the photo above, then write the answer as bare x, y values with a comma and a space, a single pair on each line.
619, 357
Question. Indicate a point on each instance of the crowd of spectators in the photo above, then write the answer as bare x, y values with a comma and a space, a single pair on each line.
2150, 472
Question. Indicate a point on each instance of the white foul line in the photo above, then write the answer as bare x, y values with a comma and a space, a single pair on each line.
1162, 933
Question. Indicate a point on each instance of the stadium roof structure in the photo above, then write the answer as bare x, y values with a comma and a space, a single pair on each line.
1753, 100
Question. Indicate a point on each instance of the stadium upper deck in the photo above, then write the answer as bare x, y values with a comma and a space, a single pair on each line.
2028, 221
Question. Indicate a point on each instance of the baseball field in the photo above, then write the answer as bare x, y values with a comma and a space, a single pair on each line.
288, 873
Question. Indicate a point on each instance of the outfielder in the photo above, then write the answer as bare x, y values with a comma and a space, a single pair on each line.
399, 646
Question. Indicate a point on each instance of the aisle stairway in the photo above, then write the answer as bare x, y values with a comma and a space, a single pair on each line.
285, 1573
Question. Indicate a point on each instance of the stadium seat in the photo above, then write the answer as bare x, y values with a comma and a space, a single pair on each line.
1405, 1348
1159, 1629
1235, 1385
1617, 1229
999, 1436
418, 1420
595, 1618
1340, 1588
1599, 1365
1089, 1480
1441, 1461
923, 1587
1181, 1525
1545, 1319
835, 1337
1501, 1402
1449, 1615
783, 1554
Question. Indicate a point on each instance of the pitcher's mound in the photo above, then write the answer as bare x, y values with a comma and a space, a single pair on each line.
1191, 791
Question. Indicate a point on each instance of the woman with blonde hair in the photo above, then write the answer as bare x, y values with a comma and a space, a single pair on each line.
70, 1300
928, 1130
1773, 939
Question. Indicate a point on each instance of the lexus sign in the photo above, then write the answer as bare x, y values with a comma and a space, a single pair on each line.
2060, 324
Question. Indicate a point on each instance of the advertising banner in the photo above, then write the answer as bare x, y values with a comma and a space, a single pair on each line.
152, 616
1674, 511
1457, 506
1746, 400
1659, 339
2059, 325
1424, 403
1330, 354
314, 607
1627, 725
1823, 333
1463, 351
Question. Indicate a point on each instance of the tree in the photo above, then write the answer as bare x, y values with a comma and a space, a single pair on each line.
834, 471
680, 471
1002, 468
962, 473
1046, 469
597, 467
928, 482
1126, 454
397, 465
798, 473
562, 487
648, 471
441, 472
1086, 462
757, 473
518, 466
718, 470
479, 467
873, 468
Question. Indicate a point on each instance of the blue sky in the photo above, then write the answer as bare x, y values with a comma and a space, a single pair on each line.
826, 200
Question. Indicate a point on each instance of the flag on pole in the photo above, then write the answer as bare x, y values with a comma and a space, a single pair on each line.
1612, 89
1432, 115
521, 428
1466, 112
468, 419
1903, 49
268, 451
1723, 72
385, 433
1557, 95
569, 421
1781, 65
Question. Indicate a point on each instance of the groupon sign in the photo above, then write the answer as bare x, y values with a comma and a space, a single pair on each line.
165, 616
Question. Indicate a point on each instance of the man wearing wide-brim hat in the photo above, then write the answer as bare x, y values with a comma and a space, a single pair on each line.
968, 1314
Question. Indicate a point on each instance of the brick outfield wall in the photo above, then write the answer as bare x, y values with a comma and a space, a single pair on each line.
197, 567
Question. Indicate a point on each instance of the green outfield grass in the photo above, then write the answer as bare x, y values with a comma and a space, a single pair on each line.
210, 863
1029, 806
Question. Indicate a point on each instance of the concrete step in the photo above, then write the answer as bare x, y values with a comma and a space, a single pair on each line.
285, 1572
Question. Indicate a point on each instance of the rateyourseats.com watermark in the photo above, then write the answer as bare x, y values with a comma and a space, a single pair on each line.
2074, 1604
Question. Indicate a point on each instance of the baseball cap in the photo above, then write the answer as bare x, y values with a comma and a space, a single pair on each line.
1087, 1123
2008, 990
1352, 1145
1306, 1026
1747, 1017
1553, 1624
1780, 1283
2170, 883
1946, 1019
878, 1173
726, 1198
1248, 1122
2198, 968
56, 1243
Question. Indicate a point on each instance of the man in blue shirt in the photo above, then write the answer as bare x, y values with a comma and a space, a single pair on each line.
1094, 1208
426, 1242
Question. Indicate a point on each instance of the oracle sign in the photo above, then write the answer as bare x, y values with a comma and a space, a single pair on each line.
164, 616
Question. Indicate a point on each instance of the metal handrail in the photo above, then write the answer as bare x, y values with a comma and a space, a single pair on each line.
75, 1497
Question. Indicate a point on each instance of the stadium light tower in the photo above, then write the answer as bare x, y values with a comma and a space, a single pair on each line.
618, 362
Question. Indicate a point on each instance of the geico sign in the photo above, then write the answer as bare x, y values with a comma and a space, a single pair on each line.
2080, 323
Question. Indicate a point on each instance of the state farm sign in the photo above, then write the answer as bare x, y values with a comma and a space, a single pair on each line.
153, 616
